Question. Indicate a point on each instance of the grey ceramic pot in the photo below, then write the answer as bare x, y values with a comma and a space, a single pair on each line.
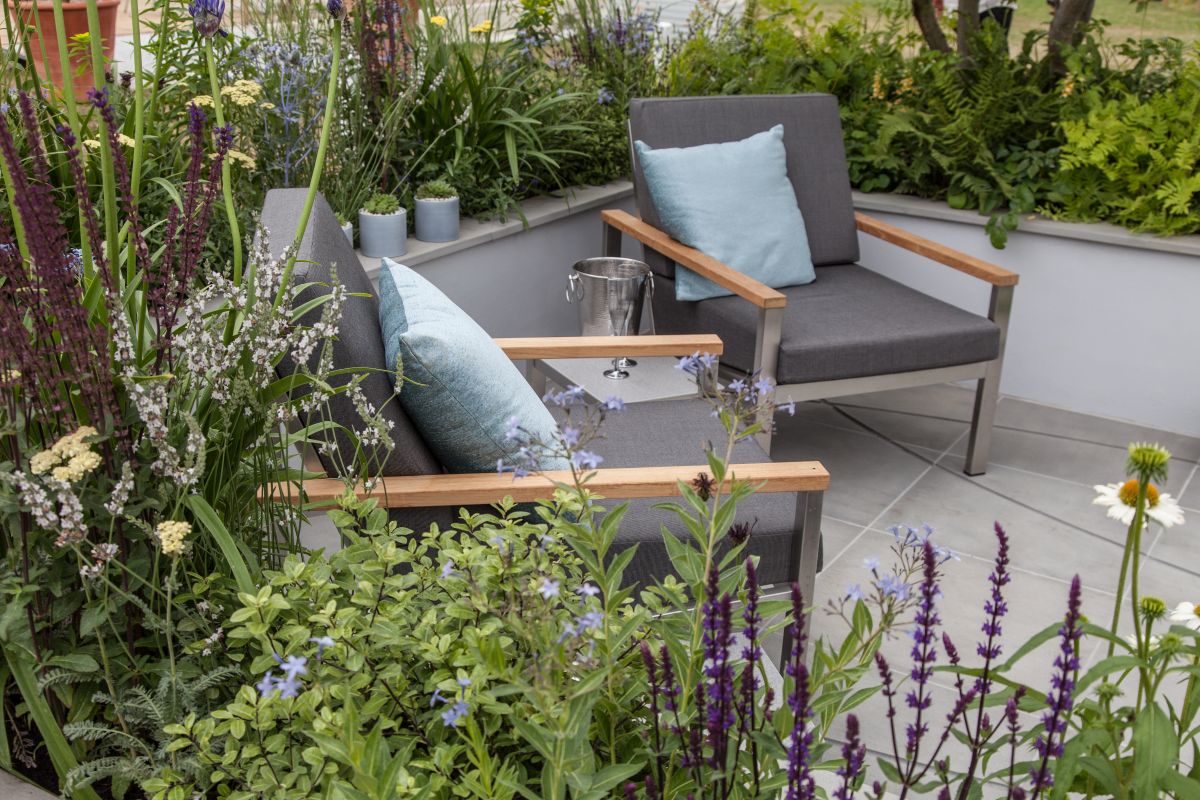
348, 231
437, 220
383, 235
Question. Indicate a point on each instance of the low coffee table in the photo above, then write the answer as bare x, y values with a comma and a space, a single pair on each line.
654, 378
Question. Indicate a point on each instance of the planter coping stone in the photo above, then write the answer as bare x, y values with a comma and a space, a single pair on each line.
537, 211
13, 788
1095, 232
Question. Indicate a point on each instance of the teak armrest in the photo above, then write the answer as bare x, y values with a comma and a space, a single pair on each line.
975, 267
426, 491
723, 275
610, 346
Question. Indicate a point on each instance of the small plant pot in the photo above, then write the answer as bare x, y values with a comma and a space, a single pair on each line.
75, 20
437, 220
348, 232
383, 235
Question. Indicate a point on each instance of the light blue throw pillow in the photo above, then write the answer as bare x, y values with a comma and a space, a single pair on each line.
732, 201
466, 390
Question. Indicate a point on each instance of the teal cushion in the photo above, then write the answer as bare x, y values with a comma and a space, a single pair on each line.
732, 201
462, 390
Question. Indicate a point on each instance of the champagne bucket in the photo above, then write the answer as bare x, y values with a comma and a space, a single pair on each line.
611, 293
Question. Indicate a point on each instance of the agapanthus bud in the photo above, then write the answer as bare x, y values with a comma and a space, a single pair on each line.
336, 9
207, 16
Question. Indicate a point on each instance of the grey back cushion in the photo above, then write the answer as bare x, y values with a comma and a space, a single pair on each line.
816, 157
359, 343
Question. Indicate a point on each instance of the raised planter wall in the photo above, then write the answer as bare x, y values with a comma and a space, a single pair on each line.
1104, 321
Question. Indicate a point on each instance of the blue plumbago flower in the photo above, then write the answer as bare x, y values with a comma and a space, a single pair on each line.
604, 96
614, 403
499, 543
206, 17
322, 642
517, 470
570, 435
871, 564
288, 687
893, 586
292, 666
567, 397
584, 459
764, 386
464, 682
436, 698
452, 715
448, 570
266, 685
589, 621
548, 589
697, 362
588, 590
514, 429
854, 593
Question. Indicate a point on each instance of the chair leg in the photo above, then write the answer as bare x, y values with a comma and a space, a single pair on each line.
804, 557
766, 360
987, 393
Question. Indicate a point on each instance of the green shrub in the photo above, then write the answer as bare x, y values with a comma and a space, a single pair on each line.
380, 203
1135, 161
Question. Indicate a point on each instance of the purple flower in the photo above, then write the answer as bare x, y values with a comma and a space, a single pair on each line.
570, 435
266, 685
893, 586
548, 589
448, 570
322, 642
1060, 699
514, 429
206, 16
292, 666
614, 404
336, 9
436, 698
604, 96
854, 753
764, 386
288, 687
584, 459
924, 653
567, 397
452, 715
799, 771
854, 593
871, 564
588, 621
588, 590
464, 682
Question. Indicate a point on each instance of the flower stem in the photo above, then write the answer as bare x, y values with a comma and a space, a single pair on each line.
1131, 539
318, 166
226, 180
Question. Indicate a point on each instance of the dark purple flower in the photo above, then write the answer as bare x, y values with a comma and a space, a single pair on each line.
739, 532
206, 17
1060, 699
854, 753
336, 9
799, 771
924, 654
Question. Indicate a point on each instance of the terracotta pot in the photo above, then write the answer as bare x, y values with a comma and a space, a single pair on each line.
76, 21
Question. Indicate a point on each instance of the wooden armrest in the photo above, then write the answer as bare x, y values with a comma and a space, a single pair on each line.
610, 346
426, 491
742, 285
975, 267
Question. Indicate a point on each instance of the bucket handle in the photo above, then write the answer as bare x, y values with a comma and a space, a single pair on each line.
574, 288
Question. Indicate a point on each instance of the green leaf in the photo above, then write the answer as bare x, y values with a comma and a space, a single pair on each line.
77, 662
1155, 749
209, 520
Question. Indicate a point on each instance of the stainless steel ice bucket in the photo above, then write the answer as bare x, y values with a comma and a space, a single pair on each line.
611, 293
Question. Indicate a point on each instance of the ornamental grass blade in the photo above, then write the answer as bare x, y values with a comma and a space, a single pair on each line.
209, 520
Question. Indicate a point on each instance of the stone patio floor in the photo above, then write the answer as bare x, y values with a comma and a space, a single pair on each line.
896, 458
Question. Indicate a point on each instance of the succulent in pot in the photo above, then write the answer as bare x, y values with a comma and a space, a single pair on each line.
437, 212
382, 227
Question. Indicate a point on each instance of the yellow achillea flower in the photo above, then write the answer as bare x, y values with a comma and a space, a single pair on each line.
171, 535
127, 141
483, 27
439, 20
241, 158
202, 100
242, 93
68, 459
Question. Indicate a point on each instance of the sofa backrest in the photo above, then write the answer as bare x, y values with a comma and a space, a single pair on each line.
816, 157
359, 343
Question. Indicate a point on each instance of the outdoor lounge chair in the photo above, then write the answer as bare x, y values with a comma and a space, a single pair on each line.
852, 330
642, 445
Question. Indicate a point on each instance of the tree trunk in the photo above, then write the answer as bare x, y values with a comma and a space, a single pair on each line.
928, 22
968, 24
1066, 29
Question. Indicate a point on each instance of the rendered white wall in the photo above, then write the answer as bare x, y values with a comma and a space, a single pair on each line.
1099, 328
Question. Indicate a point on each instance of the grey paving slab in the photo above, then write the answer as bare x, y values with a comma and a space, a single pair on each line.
867, 473
963, 514
946, 401
920, 430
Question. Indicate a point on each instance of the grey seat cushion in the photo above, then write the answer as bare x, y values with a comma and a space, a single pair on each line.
676, 432
849, 323
816, 157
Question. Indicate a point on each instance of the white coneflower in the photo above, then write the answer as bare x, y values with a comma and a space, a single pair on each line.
1121, 500
1186, 614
